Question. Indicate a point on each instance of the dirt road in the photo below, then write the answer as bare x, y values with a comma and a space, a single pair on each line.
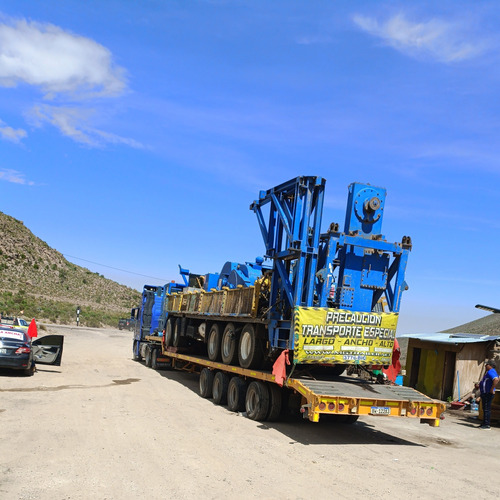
102, 426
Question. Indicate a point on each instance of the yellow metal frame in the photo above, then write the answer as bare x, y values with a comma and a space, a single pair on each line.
428, 412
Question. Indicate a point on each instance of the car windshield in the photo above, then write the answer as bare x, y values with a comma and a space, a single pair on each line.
23, 322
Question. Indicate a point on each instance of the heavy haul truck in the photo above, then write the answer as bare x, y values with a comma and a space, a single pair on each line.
285, 327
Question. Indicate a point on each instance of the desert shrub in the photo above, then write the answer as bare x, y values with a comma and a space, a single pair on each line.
55, 311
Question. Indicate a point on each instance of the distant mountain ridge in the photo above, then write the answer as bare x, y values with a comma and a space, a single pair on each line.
37, 281
489, 325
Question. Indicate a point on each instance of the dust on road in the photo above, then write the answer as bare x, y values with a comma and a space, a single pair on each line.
102, 426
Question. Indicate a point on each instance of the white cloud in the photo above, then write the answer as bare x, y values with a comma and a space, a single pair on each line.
69, 69
73, 122
57, 61
14, 176
11, 134
436, 39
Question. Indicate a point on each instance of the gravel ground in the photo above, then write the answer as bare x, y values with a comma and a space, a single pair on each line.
102, 426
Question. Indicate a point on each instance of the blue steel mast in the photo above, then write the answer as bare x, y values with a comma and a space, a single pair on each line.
349, 270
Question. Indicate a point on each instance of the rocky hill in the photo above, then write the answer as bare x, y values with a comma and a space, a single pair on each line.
489, 325
37, 281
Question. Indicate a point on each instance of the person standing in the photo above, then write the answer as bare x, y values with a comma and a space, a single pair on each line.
487, 386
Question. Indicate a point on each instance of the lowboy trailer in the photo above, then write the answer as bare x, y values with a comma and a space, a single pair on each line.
263, 334
348, 397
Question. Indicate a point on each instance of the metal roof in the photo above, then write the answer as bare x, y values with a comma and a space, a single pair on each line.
450, 338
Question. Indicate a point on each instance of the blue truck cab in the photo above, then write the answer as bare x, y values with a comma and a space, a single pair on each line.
149, 319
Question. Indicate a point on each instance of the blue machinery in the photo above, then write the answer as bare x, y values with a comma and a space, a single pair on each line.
354, 270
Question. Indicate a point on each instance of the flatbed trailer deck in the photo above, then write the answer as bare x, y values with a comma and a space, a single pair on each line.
345, 396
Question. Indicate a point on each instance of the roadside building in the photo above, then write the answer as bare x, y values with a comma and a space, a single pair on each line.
444, 365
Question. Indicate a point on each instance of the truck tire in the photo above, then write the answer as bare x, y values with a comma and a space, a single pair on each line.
147, 357
257, 400
213, 343
154, 358
206, 383
229, 345
157, 365
219, 389
136, 354
236, 392
250, 353
177, 340
169, 332
275, 403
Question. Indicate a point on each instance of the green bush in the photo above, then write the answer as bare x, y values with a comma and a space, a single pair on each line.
54, 311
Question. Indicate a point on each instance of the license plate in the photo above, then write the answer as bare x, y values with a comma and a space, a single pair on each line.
380, 410
3, 351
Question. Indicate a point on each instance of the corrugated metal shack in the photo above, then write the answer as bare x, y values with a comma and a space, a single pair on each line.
444, 365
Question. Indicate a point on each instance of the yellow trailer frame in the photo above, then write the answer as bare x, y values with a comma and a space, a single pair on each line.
344, 396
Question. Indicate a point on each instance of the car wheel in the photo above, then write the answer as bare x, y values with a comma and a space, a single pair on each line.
29, 371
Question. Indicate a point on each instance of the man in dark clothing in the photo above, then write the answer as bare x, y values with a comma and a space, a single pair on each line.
487, 386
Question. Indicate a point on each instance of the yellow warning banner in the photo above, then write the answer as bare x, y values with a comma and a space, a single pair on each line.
338, 336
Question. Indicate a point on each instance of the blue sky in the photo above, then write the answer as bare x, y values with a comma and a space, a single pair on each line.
135, 135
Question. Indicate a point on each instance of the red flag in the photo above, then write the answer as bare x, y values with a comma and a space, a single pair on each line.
279, 367
32, 330
393, 370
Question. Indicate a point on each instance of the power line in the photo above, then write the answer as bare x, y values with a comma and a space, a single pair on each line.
115, 268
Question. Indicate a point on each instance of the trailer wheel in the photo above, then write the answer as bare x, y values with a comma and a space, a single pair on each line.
257, 400
219, 390
206, 383
156, 365
236, 392
147, 357
229, 345
136, 354
169, 332
213, 343
154, 358
250, 349
275, 403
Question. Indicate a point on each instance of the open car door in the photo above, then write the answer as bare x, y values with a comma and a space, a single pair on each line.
48, 350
